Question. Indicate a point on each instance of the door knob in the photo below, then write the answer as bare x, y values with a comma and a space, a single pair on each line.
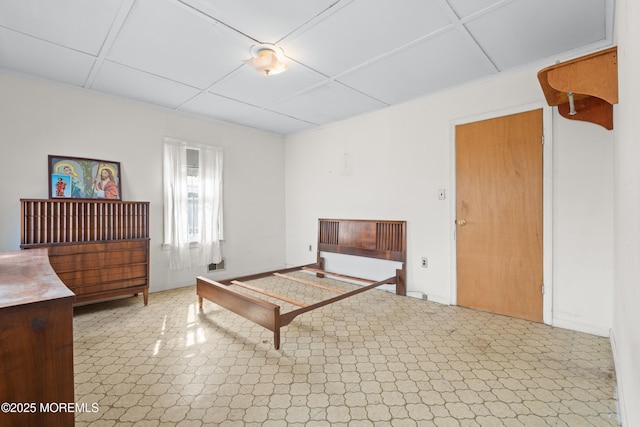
461, 222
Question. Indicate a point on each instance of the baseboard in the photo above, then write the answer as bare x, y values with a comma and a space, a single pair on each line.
620, 395
580, 327
439, 299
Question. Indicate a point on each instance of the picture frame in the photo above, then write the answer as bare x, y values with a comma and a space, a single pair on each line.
84, 178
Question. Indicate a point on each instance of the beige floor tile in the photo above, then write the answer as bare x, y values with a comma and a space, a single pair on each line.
374, 359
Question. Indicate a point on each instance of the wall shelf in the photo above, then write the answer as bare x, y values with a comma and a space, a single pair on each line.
593, 81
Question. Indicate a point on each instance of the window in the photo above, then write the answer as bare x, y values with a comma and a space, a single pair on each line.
193, 226
193, 190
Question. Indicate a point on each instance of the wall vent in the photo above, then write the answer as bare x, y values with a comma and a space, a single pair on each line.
216, 267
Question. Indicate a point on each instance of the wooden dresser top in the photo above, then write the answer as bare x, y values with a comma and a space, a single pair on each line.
26, 277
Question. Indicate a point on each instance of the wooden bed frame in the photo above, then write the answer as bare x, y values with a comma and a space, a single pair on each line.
384, 240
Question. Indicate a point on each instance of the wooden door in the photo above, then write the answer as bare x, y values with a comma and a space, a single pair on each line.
499, 215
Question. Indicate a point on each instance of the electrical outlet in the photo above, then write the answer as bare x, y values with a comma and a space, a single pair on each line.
442, 194
424, 262
310, 248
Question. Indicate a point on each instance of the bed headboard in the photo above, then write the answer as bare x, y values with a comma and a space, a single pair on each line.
368, 238
380, 239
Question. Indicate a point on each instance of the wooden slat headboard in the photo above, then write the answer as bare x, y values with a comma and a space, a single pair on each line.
368, 238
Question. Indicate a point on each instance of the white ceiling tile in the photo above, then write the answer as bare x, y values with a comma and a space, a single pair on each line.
327, 103
27, 55
512, 35
464, 8
163, 38
126, 82
210, 105
264, 21
248, 86
273, 122
428, 67
363, 30
57, 21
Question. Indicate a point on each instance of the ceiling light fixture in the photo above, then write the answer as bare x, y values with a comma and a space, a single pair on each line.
266, 59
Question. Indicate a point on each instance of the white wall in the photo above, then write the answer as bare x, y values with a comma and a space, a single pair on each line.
626, 322
397, 160
583, 226
38, 119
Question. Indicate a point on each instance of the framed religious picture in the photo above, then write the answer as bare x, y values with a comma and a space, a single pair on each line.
60, 186
82, 178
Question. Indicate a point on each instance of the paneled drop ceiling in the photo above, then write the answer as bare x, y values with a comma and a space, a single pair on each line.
346, 57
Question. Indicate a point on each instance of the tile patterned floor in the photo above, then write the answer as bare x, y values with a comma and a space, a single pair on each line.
374, 359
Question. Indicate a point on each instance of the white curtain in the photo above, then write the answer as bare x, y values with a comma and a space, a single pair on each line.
183, 252
210, 207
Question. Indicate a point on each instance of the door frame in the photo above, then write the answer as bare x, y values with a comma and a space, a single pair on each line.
547, 198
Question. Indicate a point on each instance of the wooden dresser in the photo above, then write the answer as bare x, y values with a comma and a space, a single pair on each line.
98, 248
36, 342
